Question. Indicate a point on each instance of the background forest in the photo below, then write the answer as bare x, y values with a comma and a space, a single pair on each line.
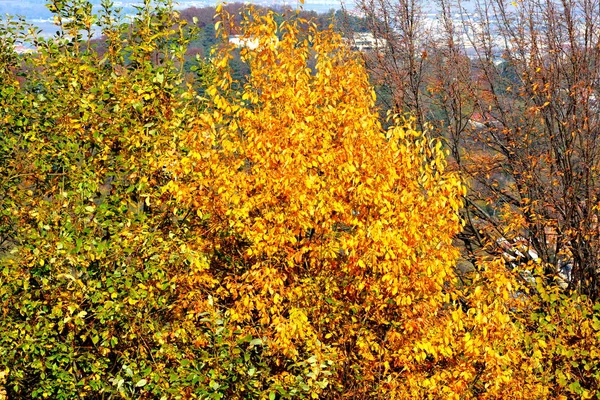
184, 218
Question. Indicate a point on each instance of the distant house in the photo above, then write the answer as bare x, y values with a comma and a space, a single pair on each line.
248, 43
241, 42
366, 41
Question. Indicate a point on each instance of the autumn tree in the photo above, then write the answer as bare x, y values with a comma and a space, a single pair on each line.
92, 253
543, 102
512, 87
333, 237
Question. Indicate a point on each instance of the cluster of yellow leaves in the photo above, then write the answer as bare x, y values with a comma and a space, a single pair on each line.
3, 375
336, 235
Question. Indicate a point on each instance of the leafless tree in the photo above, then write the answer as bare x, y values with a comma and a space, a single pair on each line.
514, 88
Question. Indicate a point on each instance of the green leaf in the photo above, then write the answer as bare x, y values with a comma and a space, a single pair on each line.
141, 383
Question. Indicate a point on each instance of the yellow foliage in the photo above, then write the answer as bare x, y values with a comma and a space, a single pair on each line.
338, 233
